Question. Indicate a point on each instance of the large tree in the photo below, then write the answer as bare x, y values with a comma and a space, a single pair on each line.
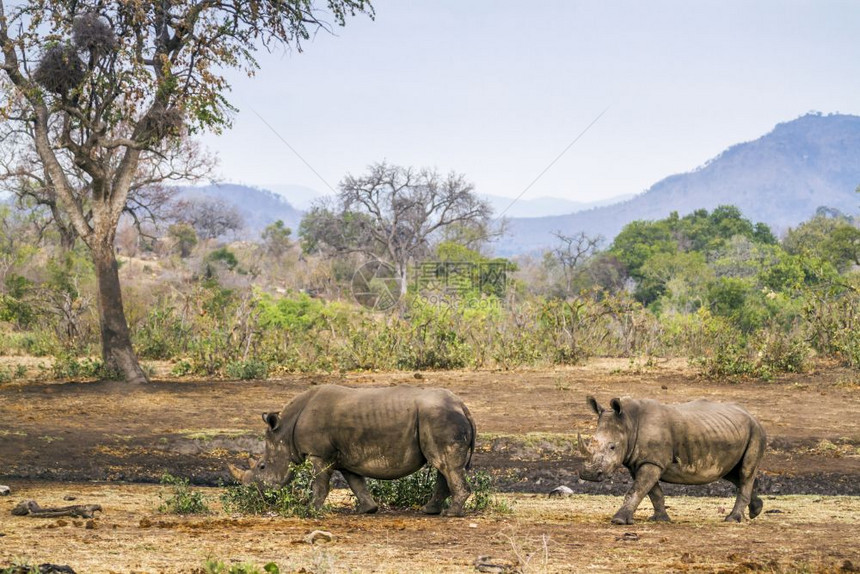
394, 214
101, 93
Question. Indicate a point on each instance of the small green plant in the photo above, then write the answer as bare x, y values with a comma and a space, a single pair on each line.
182, 368
215, 566
19, 568
182, 500
293, 499
247, 370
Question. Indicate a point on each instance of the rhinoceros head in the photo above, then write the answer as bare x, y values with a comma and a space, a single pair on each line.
608, 445
273, 469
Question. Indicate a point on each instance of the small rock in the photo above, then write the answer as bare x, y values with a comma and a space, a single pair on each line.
473, 525
627, 537
319, 536
664, 387
23, 508
145, 523
560, 492
773, 511
5, 490
687, 558
91, 525
70, 497
418, 376
495, 565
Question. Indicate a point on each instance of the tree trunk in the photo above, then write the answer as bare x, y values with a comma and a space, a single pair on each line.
403, 285
117, 352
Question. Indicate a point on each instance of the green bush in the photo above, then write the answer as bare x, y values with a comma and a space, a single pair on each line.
247, 370
69, 367
293, 499
411, 491
415, 490
162, 335
182, 500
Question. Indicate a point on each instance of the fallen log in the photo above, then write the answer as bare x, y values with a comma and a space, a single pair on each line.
32, 508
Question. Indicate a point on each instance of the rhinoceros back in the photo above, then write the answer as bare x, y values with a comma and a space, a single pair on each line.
380, 432
708, 440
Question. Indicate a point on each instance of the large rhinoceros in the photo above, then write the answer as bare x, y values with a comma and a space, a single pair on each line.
692, 443
382, 433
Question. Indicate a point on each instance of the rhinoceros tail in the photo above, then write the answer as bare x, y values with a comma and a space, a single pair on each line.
474, 436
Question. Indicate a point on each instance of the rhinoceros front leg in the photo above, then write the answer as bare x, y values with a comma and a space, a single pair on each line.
645, 479
322, 480
366, 504
659, 503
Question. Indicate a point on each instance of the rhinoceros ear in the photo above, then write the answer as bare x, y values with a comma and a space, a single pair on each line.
616, 405
272, 419
592, 402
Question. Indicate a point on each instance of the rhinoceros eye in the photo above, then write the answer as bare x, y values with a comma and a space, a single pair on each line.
262, 465
612, 447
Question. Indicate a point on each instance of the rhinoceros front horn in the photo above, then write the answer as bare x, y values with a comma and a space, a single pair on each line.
582, 448
236, 473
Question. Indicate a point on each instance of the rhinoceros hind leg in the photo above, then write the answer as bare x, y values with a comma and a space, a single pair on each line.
755, 506
756, 503
366, 504
744, 477
442, 492
460, 491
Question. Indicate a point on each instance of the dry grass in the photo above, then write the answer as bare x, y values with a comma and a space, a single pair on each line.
808, 534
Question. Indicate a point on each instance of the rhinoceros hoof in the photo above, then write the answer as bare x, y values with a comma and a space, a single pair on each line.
755, 507
368, 509
622, 519
431, 509
734, 518
660, 518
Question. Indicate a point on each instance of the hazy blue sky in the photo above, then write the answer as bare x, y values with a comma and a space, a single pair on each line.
496, 89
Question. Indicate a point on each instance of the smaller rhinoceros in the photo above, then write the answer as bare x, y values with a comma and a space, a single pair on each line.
692, 443
382, 433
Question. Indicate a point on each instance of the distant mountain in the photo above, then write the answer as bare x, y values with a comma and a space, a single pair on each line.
543, 206
299, 196
259, 207
779, 179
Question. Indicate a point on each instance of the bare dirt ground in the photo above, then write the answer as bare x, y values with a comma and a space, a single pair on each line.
103, 442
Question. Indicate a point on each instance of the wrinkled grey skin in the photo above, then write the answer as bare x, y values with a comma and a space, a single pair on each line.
692, 443
382, 433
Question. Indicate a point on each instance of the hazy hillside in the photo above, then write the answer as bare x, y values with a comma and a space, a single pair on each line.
259, 207
780, 179
544, 206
